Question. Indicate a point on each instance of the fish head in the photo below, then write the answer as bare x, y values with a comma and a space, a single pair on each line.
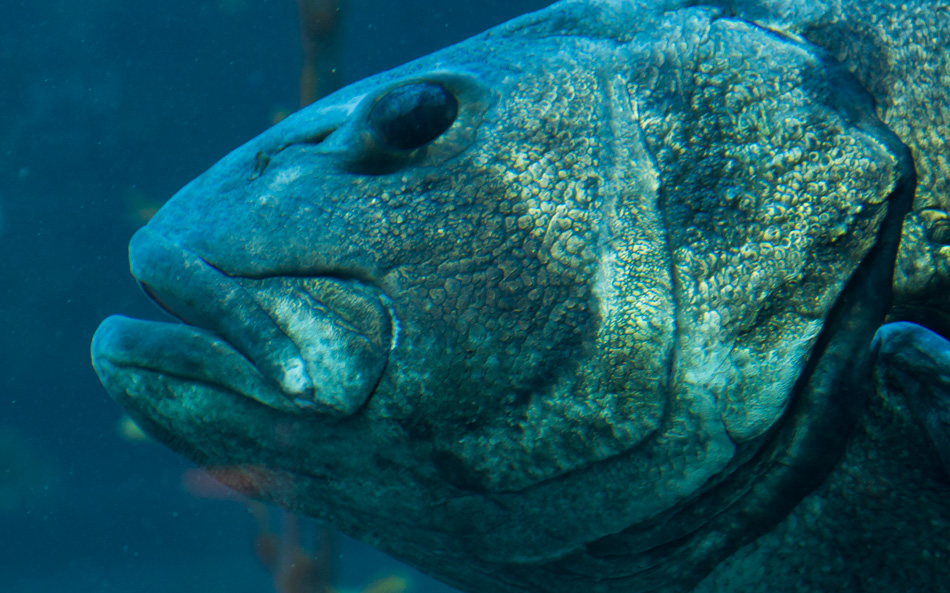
550, 284
394, 276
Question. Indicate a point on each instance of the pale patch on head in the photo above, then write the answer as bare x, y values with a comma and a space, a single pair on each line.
721, 369
388, 302
339, 385
295, 380
284, 178
350, 105
604, 288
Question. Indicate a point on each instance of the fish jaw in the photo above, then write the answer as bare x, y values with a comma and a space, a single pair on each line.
299, 345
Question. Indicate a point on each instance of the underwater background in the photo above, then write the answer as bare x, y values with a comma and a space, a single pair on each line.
107, 108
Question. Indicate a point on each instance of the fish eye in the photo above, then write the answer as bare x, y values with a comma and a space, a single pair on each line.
413, 115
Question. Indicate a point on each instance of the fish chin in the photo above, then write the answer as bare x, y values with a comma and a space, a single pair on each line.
190, 390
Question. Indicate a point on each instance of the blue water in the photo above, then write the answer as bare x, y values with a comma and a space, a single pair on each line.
106, 108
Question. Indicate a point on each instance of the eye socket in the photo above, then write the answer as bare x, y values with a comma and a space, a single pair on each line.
413, 115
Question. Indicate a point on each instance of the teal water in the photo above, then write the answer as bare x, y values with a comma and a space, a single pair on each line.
106, 109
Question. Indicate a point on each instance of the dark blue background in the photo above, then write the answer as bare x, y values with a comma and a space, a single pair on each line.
108, 107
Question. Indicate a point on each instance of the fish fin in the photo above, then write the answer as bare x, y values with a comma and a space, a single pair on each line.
914, 362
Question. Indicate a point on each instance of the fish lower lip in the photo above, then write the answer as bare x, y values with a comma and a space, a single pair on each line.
125, 350
324, 342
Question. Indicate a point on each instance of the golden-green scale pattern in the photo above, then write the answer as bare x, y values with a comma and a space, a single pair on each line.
551, 157
900, 51
772, 199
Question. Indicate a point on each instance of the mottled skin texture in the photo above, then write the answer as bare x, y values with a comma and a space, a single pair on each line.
611, 330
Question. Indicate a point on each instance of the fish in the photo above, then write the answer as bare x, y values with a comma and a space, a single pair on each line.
619, 296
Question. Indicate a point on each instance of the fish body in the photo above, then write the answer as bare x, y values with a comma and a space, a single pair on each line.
617, 296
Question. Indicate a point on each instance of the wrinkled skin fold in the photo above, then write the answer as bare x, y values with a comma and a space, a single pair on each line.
598, 320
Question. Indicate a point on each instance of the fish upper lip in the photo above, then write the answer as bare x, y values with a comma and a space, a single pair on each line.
345, 363
198, 293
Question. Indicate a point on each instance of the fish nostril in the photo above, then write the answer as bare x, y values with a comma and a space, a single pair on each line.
263, 157
261, 160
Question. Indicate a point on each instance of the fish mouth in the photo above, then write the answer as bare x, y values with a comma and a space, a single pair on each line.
299, 344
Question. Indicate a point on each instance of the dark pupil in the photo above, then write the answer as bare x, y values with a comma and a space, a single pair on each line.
413, 115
